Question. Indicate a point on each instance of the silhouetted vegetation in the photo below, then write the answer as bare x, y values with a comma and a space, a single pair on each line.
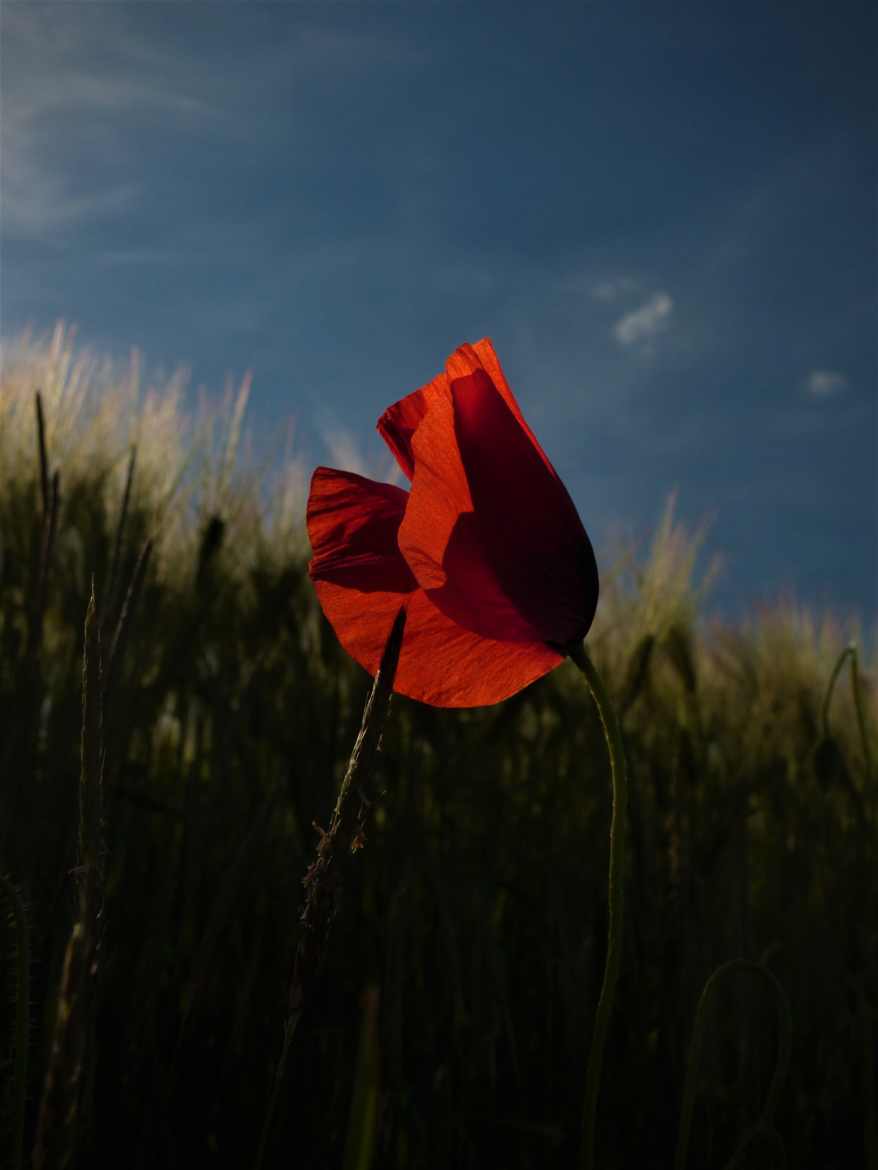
168, 747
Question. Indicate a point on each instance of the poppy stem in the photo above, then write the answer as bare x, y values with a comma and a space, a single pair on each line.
613, 735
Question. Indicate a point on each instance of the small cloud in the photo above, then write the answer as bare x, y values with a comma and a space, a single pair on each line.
825, 383
609, 291
644, 323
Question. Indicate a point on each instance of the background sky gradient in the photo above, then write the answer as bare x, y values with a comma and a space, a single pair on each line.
663, 216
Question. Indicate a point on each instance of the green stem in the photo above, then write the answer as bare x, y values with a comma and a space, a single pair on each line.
850, 651
363, 1124
618, 824
861, 718
781, 1065
827, 698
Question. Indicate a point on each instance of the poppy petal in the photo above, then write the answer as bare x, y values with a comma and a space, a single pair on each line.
399, 422
440, 539
487, 552
481, 354
362, 620
490, 530
440, 663
448, 666
439, 495
528, 527
353, 524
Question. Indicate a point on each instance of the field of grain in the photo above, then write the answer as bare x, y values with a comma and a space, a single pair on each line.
168, 749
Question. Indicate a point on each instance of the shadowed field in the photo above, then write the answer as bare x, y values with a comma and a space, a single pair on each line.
172, 817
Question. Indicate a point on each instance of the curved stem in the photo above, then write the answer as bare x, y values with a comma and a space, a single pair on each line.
781, 1066
850, 651
618, 824
861, 718
827, 698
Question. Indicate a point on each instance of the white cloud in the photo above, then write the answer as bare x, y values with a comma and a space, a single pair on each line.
609, 291
346, 453
86, 86
50, 86
825, 383
36, 200
644, 323
344, 450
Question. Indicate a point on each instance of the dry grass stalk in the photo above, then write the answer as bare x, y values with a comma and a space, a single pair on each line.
59, 1114
323, 880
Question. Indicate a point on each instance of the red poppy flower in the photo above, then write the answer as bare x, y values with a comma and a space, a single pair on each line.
486, 551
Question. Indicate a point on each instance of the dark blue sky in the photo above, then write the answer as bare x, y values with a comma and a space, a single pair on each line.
663, 215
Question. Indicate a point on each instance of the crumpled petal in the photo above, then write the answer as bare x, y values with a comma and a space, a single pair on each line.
353, 524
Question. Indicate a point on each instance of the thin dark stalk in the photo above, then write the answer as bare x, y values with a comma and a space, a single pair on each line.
113, 578
323, 879
91, 824
851, 652
59, 1114
870, 1124
27, 731
49, 494
861, 718
345, 834
363, 1122
833, 679
120, 635
616, 899
44, 459
44, 548
21, 984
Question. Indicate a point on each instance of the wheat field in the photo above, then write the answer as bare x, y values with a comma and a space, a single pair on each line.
176, 719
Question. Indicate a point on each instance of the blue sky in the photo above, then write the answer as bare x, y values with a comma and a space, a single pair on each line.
664, 217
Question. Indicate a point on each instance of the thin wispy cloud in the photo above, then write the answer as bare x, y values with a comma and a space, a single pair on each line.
825, 383
346, 452
36, 201
51, 179
611, 291
645, 322
125, 75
